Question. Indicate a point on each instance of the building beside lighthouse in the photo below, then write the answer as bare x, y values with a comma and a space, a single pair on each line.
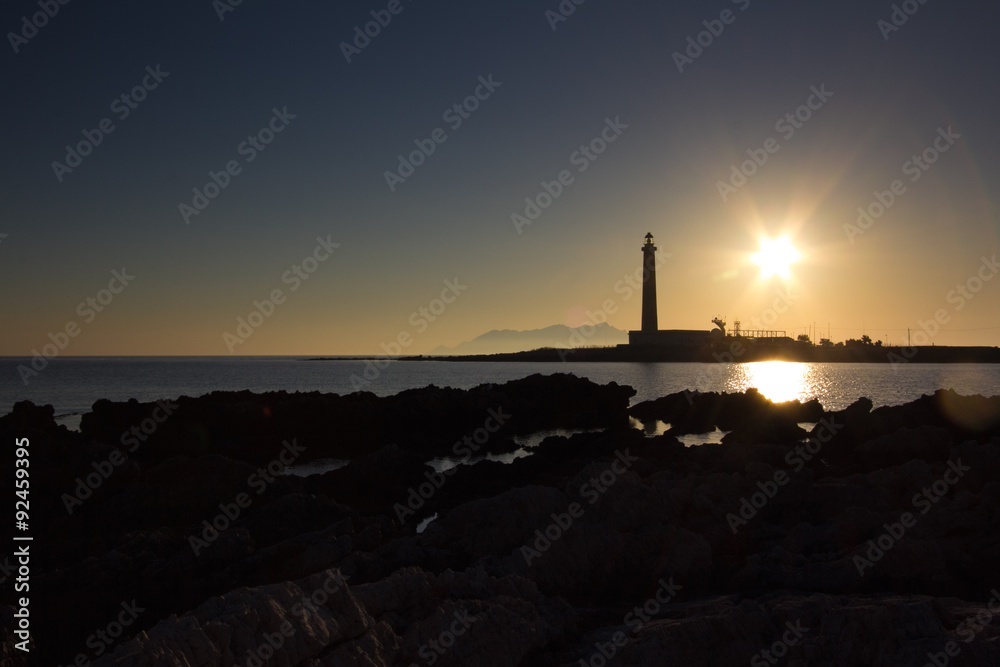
650, 335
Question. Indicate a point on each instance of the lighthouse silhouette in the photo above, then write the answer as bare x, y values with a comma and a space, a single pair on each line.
649, 322
649, 334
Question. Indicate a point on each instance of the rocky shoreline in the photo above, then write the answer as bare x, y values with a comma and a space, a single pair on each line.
167, 534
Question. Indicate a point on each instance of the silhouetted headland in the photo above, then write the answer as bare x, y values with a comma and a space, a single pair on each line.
745, 351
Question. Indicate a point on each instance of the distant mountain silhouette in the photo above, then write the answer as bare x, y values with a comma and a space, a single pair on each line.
558, 335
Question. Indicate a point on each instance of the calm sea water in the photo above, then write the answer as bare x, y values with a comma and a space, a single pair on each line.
72, 385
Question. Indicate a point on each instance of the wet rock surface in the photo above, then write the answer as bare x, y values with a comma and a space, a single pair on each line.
870, 539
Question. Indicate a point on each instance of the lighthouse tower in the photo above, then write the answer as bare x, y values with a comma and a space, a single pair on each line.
649, 323
650, 335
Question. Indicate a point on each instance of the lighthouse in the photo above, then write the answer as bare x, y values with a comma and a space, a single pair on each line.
649, 323
649, 334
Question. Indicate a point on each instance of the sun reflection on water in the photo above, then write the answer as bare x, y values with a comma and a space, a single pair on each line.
778, 381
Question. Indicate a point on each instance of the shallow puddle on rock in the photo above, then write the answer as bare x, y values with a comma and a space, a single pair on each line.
316, 467
536, 438
443, 463
651, 429
422, 526
695, 439
70, 421
525, 445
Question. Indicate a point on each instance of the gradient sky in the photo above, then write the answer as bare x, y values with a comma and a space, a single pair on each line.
323, 176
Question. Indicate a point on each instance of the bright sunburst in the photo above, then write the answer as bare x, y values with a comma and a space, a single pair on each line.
775, 257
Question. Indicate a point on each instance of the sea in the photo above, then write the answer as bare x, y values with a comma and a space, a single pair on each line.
72, 384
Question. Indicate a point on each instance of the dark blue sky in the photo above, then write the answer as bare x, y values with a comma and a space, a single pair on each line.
324, 174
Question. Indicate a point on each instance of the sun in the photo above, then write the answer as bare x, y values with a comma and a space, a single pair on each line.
775, 257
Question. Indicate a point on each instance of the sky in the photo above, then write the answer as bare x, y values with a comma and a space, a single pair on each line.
614, 119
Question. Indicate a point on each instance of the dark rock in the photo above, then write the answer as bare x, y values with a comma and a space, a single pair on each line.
765, 529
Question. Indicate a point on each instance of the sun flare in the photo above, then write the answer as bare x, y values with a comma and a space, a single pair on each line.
776, 257
777, 381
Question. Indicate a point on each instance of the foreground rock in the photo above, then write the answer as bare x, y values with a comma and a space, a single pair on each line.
869, 540
250, 427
